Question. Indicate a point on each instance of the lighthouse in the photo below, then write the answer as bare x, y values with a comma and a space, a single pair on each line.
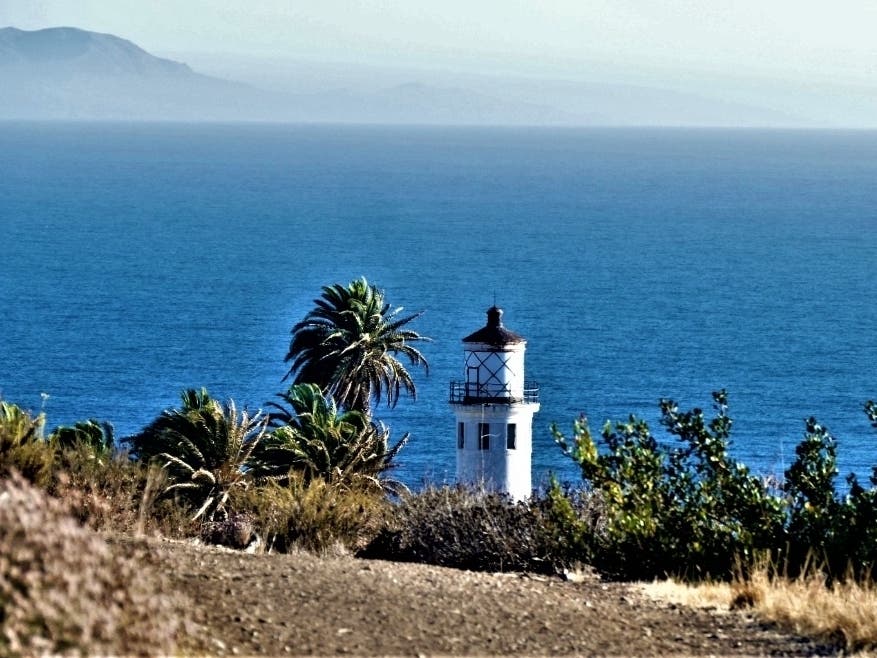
494, 409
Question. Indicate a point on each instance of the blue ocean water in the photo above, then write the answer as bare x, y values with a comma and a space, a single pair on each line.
136, 260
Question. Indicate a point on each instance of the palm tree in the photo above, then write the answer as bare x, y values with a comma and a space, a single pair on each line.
18, 427
97, 437
23, 446
316, 440
204, 447
348, 343
159, 436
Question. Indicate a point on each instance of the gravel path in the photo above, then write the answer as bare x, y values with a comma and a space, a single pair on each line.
306, 605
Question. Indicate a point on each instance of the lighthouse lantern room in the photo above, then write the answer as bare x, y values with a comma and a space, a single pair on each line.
494, 409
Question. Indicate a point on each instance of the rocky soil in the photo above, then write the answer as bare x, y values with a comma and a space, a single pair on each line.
240, 604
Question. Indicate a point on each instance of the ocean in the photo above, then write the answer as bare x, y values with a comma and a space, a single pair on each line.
140, 259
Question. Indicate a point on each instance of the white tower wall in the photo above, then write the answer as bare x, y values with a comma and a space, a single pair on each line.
502, 462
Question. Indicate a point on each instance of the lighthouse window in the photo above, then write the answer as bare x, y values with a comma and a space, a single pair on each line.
461, 436
484, 436
511, 436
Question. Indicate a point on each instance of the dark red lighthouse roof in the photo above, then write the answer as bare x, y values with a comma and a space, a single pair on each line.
493, 333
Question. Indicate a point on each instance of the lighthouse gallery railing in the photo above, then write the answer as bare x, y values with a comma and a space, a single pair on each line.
470, 393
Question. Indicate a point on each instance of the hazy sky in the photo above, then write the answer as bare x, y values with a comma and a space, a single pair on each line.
815, 40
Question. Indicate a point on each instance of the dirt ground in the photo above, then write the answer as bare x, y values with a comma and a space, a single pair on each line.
301, 604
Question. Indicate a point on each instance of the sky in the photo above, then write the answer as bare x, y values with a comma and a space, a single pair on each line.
803, 41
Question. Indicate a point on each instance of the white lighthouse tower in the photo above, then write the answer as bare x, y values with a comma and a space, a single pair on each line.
494, 408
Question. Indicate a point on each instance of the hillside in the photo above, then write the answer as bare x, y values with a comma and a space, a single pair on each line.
67, 73
301, 604
66, 51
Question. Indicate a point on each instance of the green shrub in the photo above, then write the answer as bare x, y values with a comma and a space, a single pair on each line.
836, 532
687, 510
577, 520
858, 517
724, 514
814, 508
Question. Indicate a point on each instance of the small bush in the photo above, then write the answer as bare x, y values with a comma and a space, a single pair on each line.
114, 494
235, 531
103, 493
579, 524
468, 529
18, 427
313, 515
63, 591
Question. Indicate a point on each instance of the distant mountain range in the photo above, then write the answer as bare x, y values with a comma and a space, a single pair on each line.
68, 73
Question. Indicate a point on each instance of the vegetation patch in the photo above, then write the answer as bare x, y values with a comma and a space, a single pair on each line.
689, 510
842, 614
313, 515
313, 474
468, 529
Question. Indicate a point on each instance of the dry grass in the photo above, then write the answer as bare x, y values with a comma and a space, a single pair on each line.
843, 614
315, 516
715, 596
114, 495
